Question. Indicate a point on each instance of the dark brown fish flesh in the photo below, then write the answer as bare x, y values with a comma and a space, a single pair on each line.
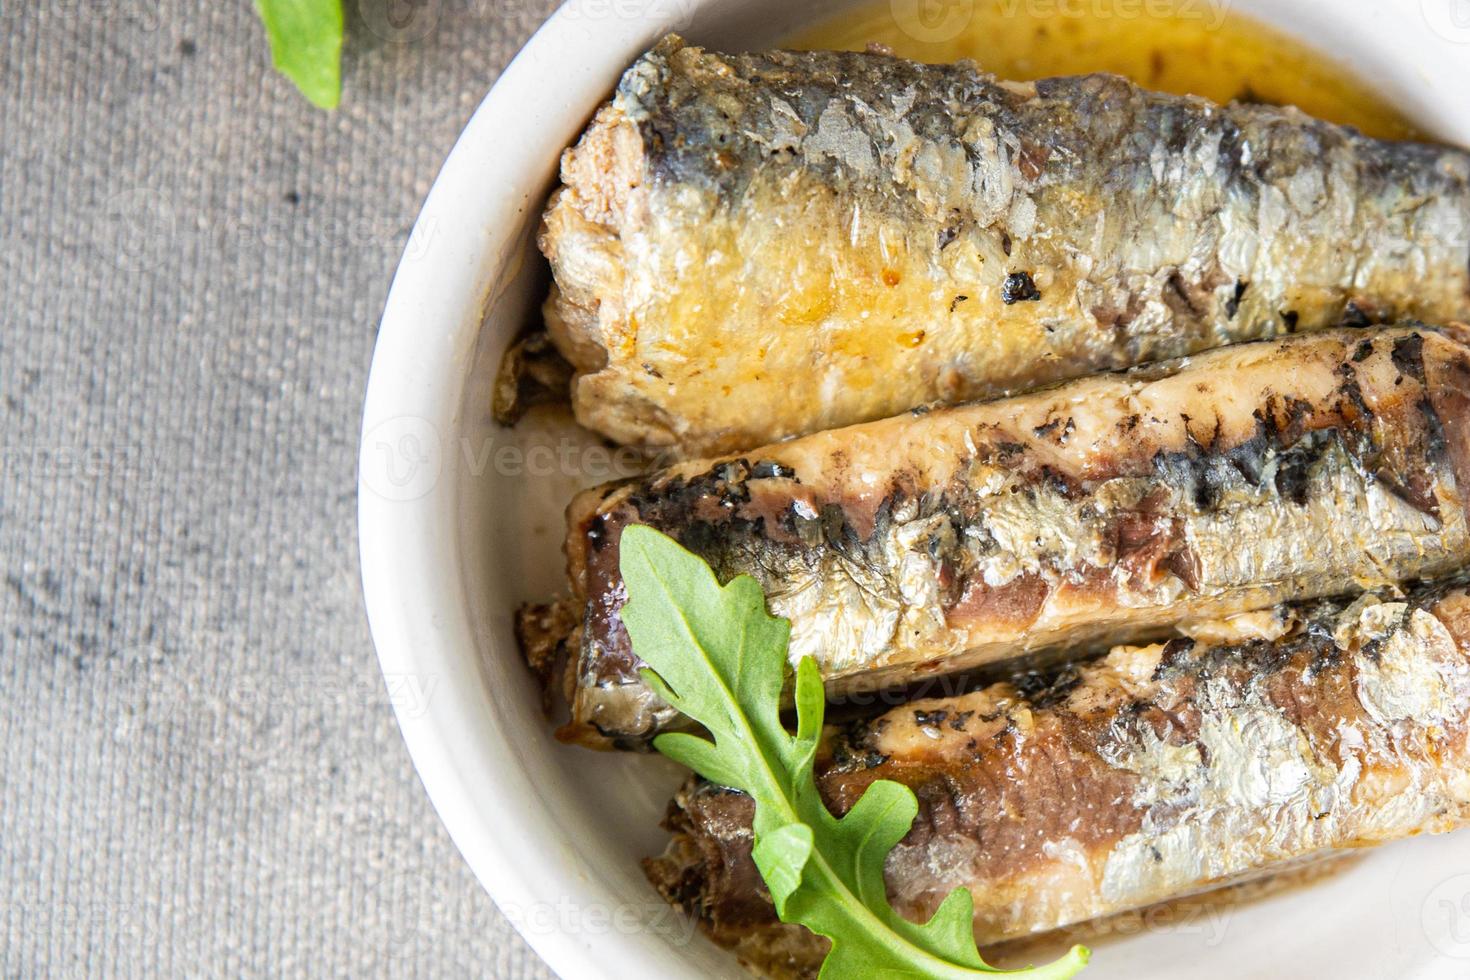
1156, 772
1117, 508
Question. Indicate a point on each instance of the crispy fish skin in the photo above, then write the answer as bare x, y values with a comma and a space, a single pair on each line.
1102, 511
1154, 773
750, 247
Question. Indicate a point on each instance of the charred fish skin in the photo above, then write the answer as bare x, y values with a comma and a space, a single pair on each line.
751, 247
1107, 510
1156, 772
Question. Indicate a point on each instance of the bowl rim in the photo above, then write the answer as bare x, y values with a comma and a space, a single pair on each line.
407, 549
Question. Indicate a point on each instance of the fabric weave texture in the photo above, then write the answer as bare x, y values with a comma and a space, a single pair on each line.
200, 773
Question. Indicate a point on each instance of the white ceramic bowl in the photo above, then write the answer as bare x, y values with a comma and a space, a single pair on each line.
460, 521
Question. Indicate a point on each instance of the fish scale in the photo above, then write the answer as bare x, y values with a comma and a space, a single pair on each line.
1155, 772
1105, 510
749, 247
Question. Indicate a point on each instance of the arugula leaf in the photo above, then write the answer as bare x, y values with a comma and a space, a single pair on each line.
716, 655
306, 45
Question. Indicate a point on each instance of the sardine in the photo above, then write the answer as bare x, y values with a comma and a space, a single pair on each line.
750, 247
1105, 510
1156, 772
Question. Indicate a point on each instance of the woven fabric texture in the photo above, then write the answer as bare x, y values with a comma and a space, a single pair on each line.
200, 774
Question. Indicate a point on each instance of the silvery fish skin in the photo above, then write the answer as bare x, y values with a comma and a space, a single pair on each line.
1105, 510
751, 247
1154, 773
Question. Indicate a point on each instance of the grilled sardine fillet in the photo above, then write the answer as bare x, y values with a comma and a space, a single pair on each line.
750, 247
1153, 773
1101, 511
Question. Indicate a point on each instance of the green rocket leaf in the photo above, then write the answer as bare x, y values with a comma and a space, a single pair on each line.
306, 45
716, 655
